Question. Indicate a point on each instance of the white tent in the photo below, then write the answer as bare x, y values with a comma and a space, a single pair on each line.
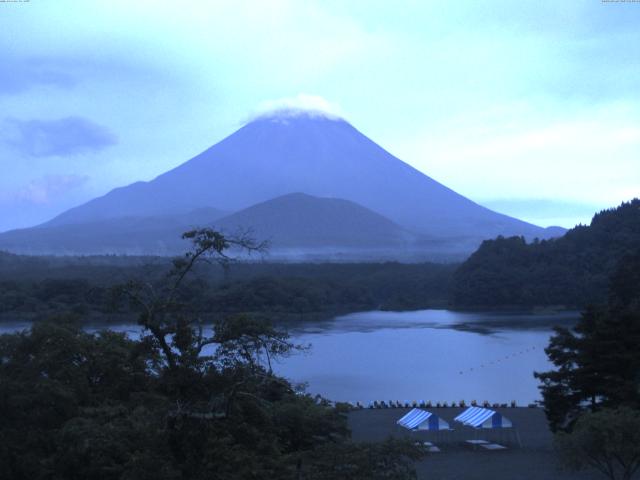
418, 419
479, 417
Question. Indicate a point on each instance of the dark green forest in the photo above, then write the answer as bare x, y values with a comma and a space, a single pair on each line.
179, 404
597, 362
39, 286
77, 405
592, 395
568, 272
571, 271
176, 404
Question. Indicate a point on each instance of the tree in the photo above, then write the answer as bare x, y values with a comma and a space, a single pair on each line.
181, 403
597, 362
163, 312
54, 380
571, 270
608, 440
389, 460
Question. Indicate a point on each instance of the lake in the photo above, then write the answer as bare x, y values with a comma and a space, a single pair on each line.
435, 355
431, 355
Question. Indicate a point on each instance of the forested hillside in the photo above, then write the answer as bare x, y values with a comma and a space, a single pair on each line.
570, 271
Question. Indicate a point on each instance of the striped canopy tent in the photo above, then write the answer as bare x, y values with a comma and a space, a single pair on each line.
418, 419
479, 417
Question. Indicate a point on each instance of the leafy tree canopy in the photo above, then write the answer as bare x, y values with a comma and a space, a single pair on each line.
571, 271
608, 440
186, 401
597, 362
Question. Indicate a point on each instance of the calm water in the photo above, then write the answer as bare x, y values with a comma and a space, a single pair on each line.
435, 355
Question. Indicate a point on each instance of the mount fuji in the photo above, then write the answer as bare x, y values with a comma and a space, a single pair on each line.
276, 155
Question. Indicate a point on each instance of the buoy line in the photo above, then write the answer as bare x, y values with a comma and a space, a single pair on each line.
499, 360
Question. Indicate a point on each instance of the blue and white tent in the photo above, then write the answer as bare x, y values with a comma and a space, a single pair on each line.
479, 417
418, 419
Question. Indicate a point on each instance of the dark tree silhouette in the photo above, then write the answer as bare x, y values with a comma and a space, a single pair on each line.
608, 440
79, 405
570, 271
597, 362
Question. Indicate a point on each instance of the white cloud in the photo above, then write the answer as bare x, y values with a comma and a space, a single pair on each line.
40, 199
301, 104
587, 156
47, 189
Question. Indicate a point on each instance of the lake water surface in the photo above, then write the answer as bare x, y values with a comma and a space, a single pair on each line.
435, 355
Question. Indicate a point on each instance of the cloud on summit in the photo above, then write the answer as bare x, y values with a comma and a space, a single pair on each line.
61, 137
301, 104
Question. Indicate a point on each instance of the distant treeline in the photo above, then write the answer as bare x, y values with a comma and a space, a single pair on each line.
39, 286
570, 271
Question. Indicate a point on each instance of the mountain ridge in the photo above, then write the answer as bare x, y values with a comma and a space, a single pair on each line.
307, 225
273, 156
298, 219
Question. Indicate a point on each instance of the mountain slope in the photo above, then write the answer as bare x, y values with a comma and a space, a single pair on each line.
270, 157
300, 220
157, 235
273, 156
297, 225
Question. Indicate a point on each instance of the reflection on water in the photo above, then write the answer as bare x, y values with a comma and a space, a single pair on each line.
435, 355
481, 321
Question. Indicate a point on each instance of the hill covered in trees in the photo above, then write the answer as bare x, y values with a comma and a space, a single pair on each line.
570, 271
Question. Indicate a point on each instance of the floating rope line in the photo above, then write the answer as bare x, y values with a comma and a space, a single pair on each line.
499, 360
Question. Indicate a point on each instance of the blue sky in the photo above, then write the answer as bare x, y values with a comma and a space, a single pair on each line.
529, 107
